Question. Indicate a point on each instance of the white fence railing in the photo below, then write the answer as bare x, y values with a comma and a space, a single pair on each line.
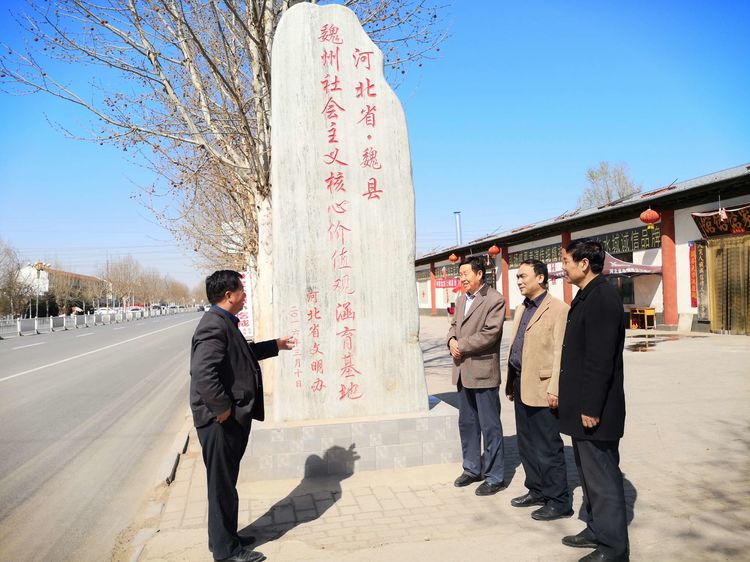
30, 326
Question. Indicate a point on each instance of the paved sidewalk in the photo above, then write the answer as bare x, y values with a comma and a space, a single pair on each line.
685, 455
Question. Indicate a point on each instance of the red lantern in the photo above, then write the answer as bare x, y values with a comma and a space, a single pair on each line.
453, 258
649, 216
494, 250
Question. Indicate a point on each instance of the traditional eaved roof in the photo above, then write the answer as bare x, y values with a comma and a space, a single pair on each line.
675, 195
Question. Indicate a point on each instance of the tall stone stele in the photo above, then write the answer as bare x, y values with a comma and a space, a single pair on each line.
343, 225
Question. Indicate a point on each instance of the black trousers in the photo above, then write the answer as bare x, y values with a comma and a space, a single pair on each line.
479, 420
223, 445
598, 464
541, 450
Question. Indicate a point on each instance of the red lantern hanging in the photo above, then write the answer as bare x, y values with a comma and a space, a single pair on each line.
453, 258
493, 251
649, 216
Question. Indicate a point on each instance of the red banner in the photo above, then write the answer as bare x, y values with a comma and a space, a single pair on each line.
693, 278
447, 283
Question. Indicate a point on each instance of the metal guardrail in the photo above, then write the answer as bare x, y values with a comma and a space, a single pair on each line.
32, 326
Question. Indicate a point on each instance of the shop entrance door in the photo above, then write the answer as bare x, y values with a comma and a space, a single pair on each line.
729, 284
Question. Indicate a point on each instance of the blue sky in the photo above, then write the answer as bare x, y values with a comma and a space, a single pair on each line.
522, 99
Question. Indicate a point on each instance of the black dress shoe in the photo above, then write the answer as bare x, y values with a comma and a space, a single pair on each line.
599, 556
527, 500
579, 541
244, 555
487, 488
465, 480
550, 513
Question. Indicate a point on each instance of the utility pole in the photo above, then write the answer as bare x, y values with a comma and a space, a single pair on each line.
458, 227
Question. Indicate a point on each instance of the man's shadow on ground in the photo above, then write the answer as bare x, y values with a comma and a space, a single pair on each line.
318, 490
513, 460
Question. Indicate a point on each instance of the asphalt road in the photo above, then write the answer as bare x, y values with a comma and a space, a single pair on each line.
86, 419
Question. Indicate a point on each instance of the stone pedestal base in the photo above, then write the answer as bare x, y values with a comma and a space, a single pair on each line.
320, 448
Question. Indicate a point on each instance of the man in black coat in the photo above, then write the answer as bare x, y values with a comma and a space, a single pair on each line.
226, 394
592, 400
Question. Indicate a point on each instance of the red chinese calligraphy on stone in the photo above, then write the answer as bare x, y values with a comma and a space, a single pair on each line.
365, 89
333, 158
331, 109
331, 84
344, 312
363, 58
315, 349
313, 314
351, 392
331, 58
368, 115
329, 33
341, 285
318, 385
314, 330
335, 182
312, 296
332, 131
339, 208
348, 370
340, 259
338, 231
372, 189
370, 159
347, 336
317, 366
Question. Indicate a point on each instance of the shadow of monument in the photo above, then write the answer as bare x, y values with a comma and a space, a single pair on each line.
631, 494
318, 490
450, 398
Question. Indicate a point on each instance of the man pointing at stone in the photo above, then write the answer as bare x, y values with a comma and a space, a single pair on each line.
226, 394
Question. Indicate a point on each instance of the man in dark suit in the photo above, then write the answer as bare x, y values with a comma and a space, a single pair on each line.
474, 342
592, 400
226, 394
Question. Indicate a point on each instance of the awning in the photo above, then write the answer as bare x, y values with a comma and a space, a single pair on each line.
614, 266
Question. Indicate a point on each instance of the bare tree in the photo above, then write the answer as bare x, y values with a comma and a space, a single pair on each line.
607, 184
124, 275
14, 290
190, 81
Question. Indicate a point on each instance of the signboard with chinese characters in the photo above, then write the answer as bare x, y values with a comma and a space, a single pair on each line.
547, 254
631, 239
344, 230
723, 221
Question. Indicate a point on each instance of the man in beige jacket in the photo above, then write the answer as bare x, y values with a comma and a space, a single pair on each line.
474, 343
533, 379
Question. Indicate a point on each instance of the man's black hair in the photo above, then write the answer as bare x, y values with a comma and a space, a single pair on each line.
477, 265
219, 282
587, 248
540, 268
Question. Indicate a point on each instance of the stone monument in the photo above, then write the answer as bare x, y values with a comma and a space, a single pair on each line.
343, 225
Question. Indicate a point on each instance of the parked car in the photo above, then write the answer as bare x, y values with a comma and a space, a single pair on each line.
206, 308
105, 311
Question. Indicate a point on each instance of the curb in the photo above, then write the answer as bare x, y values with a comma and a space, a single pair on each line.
168, 467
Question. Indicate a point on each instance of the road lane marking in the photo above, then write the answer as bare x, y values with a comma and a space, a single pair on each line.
84, 335
120, 328
93, 351
30, 345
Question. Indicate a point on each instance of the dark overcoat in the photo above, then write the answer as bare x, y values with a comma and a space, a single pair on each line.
591, 371
224, 371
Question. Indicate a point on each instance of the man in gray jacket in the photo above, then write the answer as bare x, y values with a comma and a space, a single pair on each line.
474, 343
226, 394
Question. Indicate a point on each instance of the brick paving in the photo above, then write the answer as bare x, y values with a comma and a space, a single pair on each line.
685, 456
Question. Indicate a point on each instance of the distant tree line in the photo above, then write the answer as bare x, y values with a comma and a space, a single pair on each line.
123, 282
